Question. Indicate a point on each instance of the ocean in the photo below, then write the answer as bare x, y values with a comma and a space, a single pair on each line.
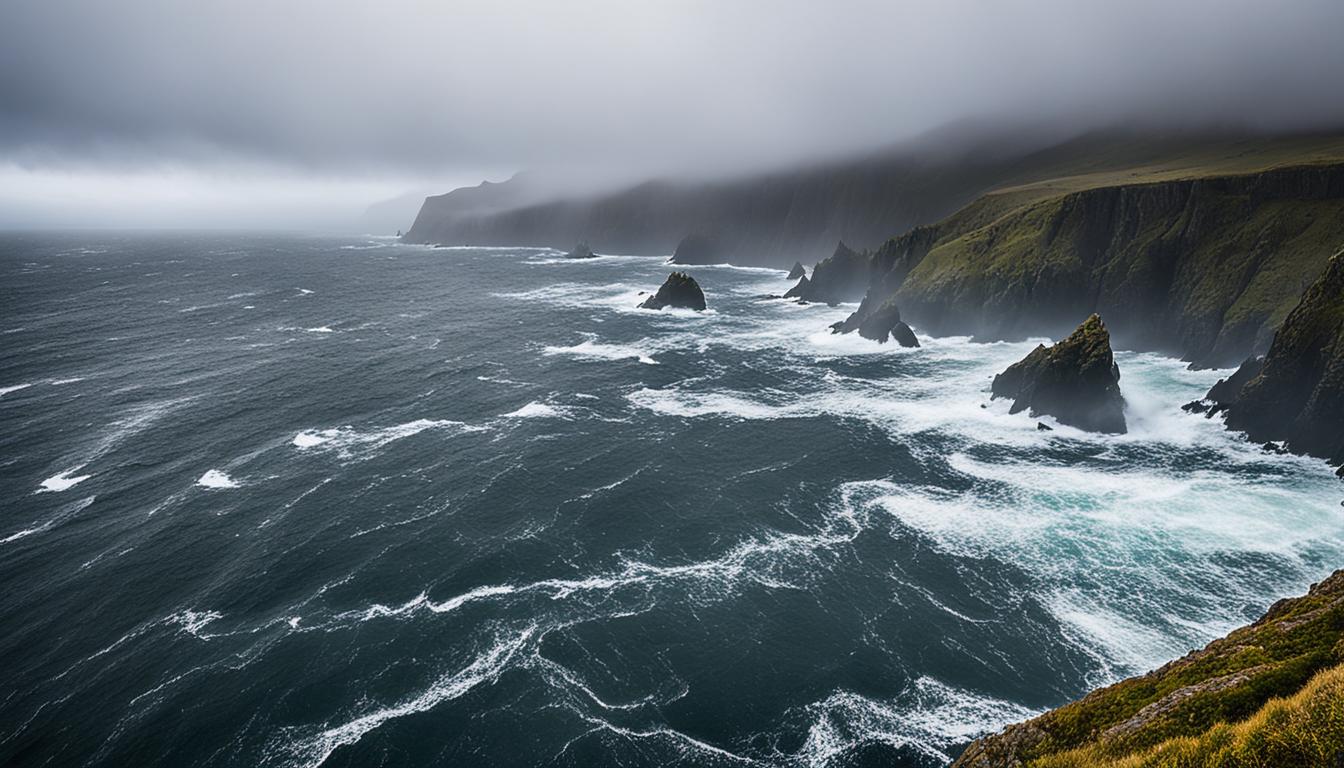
287, 500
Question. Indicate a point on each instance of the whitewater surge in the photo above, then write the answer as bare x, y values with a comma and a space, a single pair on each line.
498, 493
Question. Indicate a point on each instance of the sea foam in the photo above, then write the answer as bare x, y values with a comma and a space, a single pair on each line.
63, 482
216, 479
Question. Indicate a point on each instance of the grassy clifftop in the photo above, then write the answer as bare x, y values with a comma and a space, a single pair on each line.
1268, 694
1196, 264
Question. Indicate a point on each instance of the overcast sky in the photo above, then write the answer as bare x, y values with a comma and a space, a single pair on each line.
298, 112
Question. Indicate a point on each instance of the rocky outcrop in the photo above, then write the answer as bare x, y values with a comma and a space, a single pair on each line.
1076, 381
1203, 268
1225, 392
679, 290
843, 276
581, 251
699, 249
801, 290
1297, 395
797, 271
879, 325
1178, 705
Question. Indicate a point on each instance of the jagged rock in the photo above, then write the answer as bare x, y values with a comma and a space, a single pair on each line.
679, 290
1041, 426
885, 322
1076, 381
800, 290
1297, 396
797, 271
841, 277
1225, 392
696, 248
581, 251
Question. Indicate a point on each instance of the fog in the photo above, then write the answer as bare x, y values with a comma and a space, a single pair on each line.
300, 113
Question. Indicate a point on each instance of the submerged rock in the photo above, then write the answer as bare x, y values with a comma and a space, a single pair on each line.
699, 249
679, 290
797, 271
581, 251
1297, 395
1041, 426
1076, 381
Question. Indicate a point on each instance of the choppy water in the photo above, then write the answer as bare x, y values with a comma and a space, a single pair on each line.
293, 501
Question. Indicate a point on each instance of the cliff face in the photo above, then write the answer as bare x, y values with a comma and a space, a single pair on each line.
1214, 707
1202, 268
774, 218
1298, 394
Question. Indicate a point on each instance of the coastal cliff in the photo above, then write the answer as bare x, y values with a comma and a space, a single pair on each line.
1297, 393
1268, 694
776, 217
1203, 268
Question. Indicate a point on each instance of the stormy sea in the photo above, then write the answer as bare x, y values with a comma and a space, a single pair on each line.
285, 500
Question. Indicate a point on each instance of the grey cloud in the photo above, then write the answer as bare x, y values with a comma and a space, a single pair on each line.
411, 87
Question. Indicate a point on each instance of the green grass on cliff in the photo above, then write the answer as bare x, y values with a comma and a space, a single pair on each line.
1303, 730
1231, 261
1225, 696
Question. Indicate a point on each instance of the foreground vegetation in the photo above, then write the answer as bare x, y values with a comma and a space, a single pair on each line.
1268, 694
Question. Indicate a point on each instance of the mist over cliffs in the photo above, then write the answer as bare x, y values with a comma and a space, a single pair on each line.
778, 217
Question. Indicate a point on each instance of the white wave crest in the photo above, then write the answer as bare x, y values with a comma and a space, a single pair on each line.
348, 441
314, 750
192, 622
63, 482
537, 410
929, 717
216, 479
590, 349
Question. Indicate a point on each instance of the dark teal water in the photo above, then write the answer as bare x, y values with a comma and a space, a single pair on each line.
290, 501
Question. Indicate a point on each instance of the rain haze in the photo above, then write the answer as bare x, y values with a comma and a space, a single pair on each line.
301, 114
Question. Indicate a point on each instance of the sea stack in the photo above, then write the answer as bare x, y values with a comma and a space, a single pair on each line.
679, 290
1076, 381
581, 251
1297, 394
884, 322
797, 271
